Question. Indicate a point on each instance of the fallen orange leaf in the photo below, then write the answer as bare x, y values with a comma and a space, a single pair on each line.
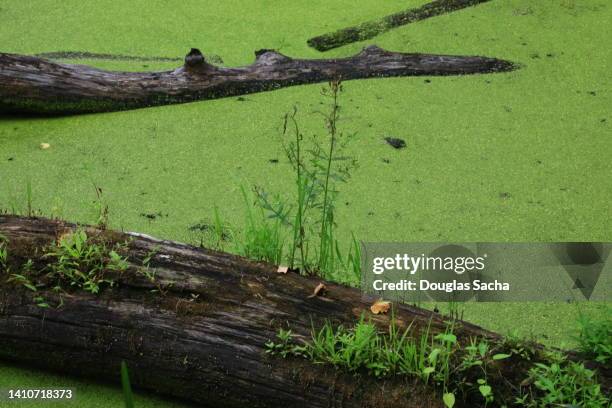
380, 307
318, 290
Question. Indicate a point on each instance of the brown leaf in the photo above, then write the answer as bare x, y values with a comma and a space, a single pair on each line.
64, 235
380, 307
318, 290
282, 269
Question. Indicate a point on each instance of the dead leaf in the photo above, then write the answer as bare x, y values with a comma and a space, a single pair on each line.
45, 146
64, 235
318, 290
282, 269
380, 307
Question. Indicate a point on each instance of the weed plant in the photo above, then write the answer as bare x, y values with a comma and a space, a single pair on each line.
308, 219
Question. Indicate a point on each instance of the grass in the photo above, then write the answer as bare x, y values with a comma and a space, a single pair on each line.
595, 339
472, 372
516, 157
128, 395
3, 253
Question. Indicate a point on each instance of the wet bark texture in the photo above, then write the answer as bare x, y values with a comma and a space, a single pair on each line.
204, 339
32, 85
371, 29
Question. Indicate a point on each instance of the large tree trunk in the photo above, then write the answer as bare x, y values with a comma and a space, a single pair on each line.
203, 339
37, 86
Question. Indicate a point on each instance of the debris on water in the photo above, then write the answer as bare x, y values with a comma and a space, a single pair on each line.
386, 160
395, 142
45, 146
200, 227
273, 161
153, 216
214, 58
209, 228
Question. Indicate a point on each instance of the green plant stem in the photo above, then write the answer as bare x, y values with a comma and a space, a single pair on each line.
332, 132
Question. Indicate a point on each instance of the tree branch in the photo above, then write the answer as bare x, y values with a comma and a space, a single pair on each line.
33, 85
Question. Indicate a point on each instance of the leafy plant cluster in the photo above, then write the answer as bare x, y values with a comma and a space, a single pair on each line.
595, 338
459, 370
435, 359
76, 261
563, 383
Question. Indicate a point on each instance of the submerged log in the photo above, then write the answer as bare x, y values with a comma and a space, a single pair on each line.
33, 85
202, 338
371, 29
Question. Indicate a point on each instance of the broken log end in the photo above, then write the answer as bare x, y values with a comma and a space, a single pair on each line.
372, 50
195, 62
270, 57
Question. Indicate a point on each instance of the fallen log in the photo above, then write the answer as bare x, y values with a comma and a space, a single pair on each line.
32, 85
198, 330
371, 29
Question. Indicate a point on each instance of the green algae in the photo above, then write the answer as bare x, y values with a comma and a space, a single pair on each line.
522, 156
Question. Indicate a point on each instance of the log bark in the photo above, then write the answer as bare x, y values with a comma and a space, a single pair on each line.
204, 338
371, 29
32, 85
